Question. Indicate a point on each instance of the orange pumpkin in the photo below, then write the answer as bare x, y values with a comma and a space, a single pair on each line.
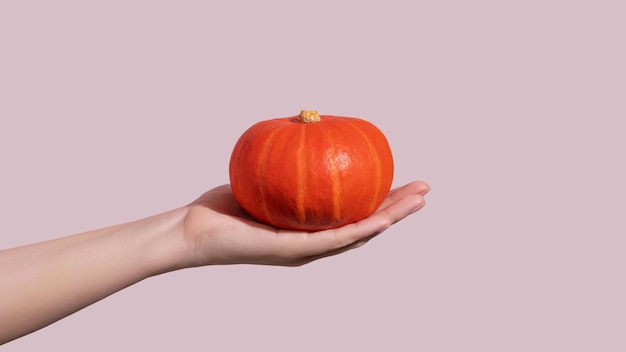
311, 172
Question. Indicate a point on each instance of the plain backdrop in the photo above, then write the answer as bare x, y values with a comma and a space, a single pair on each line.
513, 111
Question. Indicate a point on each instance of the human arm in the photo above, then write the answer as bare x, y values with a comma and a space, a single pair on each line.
44, 282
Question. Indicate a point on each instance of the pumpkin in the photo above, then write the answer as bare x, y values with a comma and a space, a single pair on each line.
310, 172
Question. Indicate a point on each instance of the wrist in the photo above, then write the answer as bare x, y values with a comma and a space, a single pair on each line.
165, 248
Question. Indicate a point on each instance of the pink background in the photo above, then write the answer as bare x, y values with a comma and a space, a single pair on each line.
513, 111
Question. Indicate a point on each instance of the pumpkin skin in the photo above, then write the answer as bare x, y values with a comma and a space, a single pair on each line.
297, 174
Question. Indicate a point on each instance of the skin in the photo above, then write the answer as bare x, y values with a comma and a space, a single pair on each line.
47, 281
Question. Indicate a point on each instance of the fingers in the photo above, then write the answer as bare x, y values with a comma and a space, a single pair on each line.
309, 246
419, 187
402, 208
416, 187
401, 203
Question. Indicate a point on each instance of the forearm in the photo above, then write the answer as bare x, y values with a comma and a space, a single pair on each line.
44, 282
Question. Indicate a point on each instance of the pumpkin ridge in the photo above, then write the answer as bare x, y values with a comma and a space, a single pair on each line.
269, 142
301, 179
377, 163
335, 176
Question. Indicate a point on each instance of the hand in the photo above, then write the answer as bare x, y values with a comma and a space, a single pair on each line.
218, 231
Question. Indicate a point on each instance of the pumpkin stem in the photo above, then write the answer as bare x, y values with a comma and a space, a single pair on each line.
309, 116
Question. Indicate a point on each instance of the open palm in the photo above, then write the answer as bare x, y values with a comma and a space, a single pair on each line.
220, 232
